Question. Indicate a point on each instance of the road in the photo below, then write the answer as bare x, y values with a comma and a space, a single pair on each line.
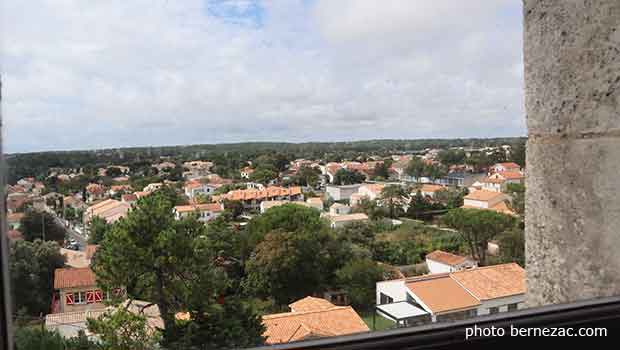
71, 233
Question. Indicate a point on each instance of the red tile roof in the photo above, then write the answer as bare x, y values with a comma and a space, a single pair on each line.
293, 326
446, 258
212, 207
73, 278
311, 304
250, 194
492, 282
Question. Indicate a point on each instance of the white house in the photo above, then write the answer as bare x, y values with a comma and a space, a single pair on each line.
330, 170
367, 191
489, 200
343, 220
206, 212
428, 190
508, 166
459, 295
343, 192
194, 188
498, 181
339, 209
442, 262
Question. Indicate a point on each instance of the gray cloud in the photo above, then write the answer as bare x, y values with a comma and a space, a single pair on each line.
146, 72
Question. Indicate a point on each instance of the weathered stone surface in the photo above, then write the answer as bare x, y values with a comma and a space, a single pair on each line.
572, 66
572, 79
573, 220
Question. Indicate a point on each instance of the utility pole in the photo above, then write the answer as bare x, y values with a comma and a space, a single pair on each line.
43, 225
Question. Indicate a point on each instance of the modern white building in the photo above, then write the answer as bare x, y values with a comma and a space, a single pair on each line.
339, 209
489, 200
442, 262
205, 212
339, 193
458, 295
343, 220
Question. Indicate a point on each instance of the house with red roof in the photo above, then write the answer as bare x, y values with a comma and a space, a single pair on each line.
498, 181
506, 166
312, 318
441, 262
206, 212
452, 296
251, 198
76, 290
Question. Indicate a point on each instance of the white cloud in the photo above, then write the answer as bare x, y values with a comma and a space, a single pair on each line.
121, 73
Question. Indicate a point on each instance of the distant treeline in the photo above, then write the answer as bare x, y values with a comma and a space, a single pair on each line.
229, 155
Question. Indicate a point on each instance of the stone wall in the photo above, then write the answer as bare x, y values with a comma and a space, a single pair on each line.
572, 100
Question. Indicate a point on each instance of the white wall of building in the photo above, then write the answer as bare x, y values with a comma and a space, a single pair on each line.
502, 303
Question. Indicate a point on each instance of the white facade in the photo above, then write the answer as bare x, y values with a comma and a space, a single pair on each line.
484, 204
344, 192
339, 209
205, 189
440, 267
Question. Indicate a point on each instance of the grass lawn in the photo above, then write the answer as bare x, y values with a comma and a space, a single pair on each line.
381, 323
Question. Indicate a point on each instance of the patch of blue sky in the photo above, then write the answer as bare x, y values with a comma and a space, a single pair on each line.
242, 12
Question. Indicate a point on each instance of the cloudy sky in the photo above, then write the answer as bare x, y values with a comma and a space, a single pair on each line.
101, 73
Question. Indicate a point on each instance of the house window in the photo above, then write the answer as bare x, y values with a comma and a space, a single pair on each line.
385, 299
513, 307
493, 310
79, 298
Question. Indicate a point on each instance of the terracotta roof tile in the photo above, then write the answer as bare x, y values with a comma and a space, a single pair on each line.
442, 294
483, 195
71, 278
310, 304
212, 207
431, 188
493, 282
292, 326
446, 258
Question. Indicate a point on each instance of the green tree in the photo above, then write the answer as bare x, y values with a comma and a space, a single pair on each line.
218, 330
346, 177
382, 170
114, 171
288, 218
415, 168
451, 156
307, 176
358, 278
434, 172
81, 342
263, 175
33, 338
418, 206
97, 229
517, 153
234, 208
121, 329
512, 246
451, 198
517, 195
286, 266
478, 227
161, 259
370, 208
392, 196
41, 225
31, 267
70, 213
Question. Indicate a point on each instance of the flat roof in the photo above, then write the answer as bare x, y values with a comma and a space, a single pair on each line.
401, 310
